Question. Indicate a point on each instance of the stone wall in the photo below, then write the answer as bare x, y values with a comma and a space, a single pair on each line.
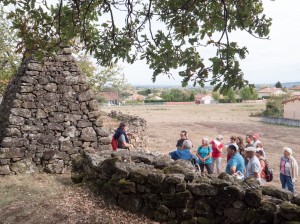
136, 125
280, 121
172, 192
47, 116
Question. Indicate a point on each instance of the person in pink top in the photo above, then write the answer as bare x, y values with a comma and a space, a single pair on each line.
217, 147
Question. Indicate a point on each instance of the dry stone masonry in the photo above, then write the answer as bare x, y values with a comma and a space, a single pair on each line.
170, 192
47, 116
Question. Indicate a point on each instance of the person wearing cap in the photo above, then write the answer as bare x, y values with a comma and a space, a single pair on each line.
217, 147
236, 162
255, 140
288, 169
183, 153
183, 136
204, 153
253, 167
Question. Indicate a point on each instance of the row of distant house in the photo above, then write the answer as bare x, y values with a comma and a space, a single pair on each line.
113, 98
291, 106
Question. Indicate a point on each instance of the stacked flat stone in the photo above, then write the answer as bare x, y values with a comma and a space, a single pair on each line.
136, 125
47, 116
172, 192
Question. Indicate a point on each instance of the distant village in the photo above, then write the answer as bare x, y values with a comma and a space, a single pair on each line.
141, 96
205, 96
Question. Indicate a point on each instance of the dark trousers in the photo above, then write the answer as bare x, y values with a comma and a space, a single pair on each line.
208, 168
286, 182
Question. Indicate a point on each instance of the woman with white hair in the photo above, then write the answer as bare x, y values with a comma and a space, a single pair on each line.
204, 153
288, 169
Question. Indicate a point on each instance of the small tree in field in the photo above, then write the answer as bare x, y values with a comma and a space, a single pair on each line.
248, 93
216, 96
9, 59
231, 95
274, 105
278, 85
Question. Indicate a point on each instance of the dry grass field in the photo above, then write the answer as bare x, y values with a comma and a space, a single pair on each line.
44, 198
166, 121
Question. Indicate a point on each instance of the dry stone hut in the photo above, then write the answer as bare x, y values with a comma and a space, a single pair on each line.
47, 116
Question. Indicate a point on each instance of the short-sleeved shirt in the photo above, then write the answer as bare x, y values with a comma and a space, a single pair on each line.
285, 166
253, 166
121, 139
184, 154
179, 142
238, 161
203, 152
215, 151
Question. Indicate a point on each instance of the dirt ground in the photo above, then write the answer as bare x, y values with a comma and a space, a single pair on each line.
166, 122
44, 198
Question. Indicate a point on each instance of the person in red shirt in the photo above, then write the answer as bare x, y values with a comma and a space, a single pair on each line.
217, 147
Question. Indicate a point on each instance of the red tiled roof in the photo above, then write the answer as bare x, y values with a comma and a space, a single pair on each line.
292, 99
109, 95
269, 90
296, 88
200, 96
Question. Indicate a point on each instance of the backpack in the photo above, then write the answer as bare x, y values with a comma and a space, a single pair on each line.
268, 171
114, 143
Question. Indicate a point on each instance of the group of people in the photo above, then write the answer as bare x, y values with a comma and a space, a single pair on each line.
243, 159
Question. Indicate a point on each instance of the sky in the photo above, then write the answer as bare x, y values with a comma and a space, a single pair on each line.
268, 61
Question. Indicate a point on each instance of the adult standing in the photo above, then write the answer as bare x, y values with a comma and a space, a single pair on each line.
249, 140
232, 141
236, 162
263, 164
288, 169
183, 136
253, 167
255, 140
240, 144
204, 153
121, 136
217, 147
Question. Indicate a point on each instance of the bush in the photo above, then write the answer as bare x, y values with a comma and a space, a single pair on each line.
136, 102
229, 101
274, 106
155, 101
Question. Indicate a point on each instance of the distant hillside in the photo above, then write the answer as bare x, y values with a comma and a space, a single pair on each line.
207, 87
290, 84
284, 84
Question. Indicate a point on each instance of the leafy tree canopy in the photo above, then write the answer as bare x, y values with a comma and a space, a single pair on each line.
9, 60
274, 105
167, 34
231, 95
248, 93
278, 85
216, 96
110, 78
